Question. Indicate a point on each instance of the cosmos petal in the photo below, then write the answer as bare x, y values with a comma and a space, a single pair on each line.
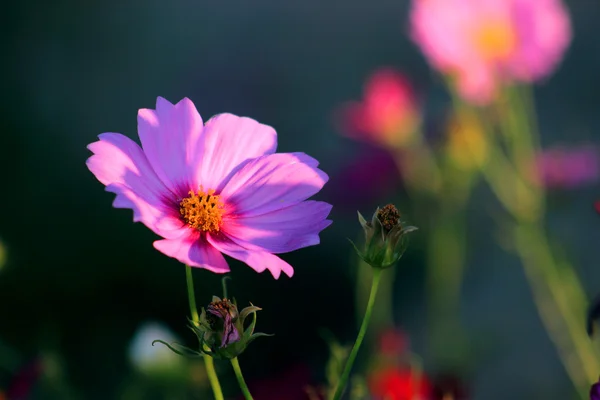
272, 182
170, 137
194, 251
227, 143
280, 231
120, 164
256, 259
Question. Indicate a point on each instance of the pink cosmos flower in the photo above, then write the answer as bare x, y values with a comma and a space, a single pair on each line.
484, 43
213, 189
567, 168
388, 114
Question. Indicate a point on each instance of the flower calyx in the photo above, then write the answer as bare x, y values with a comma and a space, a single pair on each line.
385, 237
221, 329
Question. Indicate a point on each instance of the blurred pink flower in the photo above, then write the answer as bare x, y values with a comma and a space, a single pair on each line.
213, 188
568, 168
388, 114
486, 43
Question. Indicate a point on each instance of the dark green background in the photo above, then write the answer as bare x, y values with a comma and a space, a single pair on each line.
81, 276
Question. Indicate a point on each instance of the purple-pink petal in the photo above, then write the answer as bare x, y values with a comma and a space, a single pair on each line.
257, 260
120, 164
193, 250
273, 182
170, 137
283, 230
228, 142
263, 193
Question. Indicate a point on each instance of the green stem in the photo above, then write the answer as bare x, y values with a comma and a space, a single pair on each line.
556, 291
445, 271
361, 334
208, 361
240, 378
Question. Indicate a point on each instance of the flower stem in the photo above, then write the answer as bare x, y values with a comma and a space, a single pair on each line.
361, 334
238, 374
208, 361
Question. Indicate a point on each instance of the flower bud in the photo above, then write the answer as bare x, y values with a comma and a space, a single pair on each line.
385, 237
220, 331
221, 328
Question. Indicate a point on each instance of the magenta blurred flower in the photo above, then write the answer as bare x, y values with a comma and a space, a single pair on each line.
25, 380
289, 384
373, 174
595, 391
213, 188
388, 114
567, 168
485, 43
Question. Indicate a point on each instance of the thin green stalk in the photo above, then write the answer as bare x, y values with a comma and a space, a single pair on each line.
208, 361
549, 286
240, 378
445, 271
556, 290
383, 317
361, 334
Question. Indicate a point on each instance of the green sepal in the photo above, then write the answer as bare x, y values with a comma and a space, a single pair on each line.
185, 351
382, 249
246, 311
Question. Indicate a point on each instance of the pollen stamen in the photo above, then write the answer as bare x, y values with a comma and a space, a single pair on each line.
202, 210
496, 40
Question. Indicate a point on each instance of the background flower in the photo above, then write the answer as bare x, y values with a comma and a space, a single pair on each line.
150, 358
484, 44
568, 167
398, 384
388, 114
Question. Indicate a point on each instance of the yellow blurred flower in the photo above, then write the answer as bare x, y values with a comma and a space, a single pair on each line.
466, 145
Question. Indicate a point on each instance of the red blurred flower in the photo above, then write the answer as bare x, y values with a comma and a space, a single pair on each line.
388, 116
597, 206
398, 384
393, 342
449, 387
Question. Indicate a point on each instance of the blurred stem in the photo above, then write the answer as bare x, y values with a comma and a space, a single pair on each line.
240, 378
417, 164
361, 334
556, 289
208, 360
382, 317
553, 285
446, 258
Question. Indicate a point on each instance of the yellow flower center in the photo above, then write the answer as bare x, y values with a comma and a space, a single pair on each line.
495, 40
202, 211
